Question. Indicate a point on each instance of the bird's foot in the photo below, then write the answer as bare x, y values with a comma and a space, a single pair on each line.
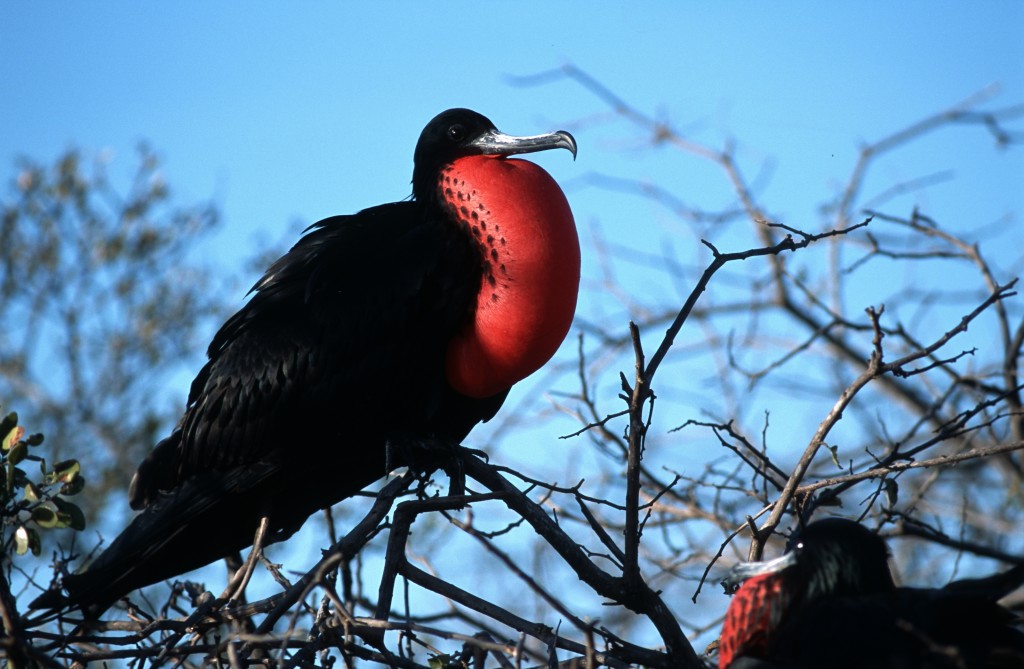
426, 455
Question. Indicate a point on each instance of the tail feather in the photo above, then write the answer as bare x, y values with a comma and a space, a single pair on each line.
206, 518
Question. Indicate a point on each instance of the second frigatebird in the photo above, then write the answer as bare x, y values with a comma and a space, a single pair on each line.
376, 334
831, 602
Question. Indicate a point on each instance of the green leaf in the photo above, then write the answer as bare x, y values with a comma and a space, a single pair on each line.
34, 544
46, 517
73, 488
34, 439
66, 471
9, 422
18, 451
20, 478
21, 540
892, 492
70, 515
834, 450
13, 437
32, 493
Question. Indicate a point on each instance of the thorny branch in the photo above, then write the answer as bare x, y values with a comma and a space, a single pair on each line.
821, 313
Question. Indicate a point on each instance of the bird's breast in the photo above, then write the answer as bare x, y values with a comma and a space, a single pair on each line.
530, 259
753, 615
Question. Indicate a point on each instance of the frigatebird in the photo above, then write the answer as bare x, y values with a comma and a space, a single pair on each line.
831, 602
378, 336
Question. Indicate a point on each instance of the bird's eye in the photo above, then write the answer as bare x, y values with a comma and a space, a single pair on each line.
457, 132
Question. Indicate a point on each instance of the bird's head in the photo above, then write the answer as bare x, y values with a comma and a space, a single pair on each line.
833, 557
841, 557
457, 133
829, 557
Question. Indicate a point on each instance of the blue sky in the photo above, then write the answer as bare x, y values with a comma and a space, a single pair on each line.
285, 116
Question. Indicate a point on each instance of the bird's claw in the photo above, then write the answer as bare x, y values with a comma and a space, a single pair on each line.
426, 455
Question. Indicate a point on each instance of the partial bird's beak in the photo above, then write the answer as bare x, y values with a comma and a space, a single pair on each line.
745, 570
494, 143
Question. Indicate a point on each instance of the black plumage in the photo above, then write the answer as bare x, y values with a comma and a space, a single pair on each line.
831, 601
330, 374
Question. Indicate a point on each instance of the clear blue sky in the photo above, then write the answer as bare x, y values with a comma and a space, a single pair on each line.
285, 116
282, 114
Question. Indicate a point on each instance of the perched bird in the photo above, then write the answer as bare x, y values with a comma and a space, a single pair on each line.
831, 602
377, 335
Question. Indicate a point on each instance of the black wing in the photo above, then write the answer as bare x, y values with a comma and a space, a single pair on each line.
339, 348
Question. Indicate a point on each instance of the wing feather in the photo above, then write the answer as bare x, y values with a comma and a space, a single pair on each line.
342, 340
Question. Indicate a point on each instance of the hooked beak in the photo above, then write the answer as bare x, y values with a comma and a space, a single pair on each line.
744, 570
494, 143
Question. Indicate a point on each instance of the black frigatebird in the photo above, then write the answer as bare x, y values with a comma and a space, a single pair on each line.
831, 602
377, 333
